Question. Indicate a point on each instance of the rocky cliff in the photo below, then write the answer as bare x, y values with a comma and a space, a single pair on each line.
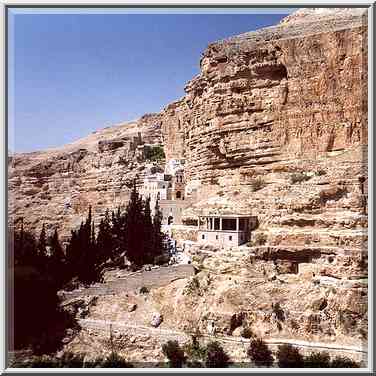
57, 186
276, 124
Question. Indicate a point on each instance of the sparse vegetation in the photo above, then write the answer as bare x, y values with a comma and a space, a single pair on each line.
289, 357
247, 332
278, 311
260, 354
317, 360
257, 184
192, 287
70, 360
174, 354
343, 362
258, 238
216, 357
320, 172
144, 290
195, 352
299, 177
154, 153
114, 361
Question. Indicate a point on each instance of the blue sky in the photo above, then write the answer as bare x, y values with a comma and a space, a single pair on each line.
70, 74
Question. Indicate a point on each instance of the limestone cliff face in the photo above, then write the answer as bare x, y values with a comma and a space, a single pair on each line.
57, 186
296, 90
276, 124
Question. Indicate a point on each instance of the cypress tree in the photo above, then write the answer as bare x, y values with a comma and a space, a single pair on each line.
57, 252
148, 230
57, 259
42, 243
133, 229
158, 236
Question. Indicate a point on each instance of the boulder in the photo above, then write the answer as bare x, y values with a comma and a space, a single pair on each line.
132, 307
156, 319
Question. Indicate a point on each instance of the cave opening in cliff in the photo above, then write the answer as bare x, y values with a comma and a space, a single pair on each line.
279, 73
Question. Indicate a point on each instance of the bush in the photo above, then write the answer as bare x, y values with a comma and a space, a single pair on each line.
299, 177
195, 364
194, 350
320, 172
317, 360
68, 360
257, 184
289, 357
260, 238
144, 290
260, 354
115, 361
193, 286
154, 153
174, 353
278, 311
343, 362
216, 356
247, 332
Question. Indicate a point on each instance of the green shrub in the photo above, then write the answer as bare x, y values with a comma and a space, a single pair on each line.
317, 360
154, 153
237, 320
320, 172
174, 353
343, 362
289, 357
278, 311
260, 353
195, 364
192, 287
299, 177
216, 356
247, 332
115, 361
68, 360
144, 290
194, 350
259, 238
257, 184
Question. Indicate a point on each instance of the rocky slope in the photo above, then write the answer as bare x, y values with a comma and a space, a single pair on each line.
57, 186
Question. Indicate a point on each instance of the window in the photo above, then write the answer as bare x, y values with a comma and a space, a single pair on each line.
230, 237
216, 237
203, 236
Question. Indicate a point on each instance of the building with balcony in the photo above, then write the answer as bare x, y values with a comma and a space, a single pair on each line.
226, 230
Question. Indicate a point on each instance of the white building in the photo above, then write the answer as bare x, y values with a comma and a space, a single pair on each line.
225, 230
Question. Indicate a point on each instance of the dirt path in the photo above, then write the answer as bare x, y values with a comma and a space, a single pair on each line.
151, 279
167, 334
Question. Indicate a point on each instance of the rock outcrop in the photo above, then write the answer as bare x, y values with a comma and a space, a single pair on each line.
57, 186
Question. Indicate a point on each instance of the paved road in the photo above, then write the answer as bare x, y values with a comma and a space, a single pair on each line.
167, 334
151, 279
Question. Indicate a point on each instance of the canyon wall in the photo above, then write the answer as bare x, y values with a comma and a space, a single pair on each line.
57, 186
295, 90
